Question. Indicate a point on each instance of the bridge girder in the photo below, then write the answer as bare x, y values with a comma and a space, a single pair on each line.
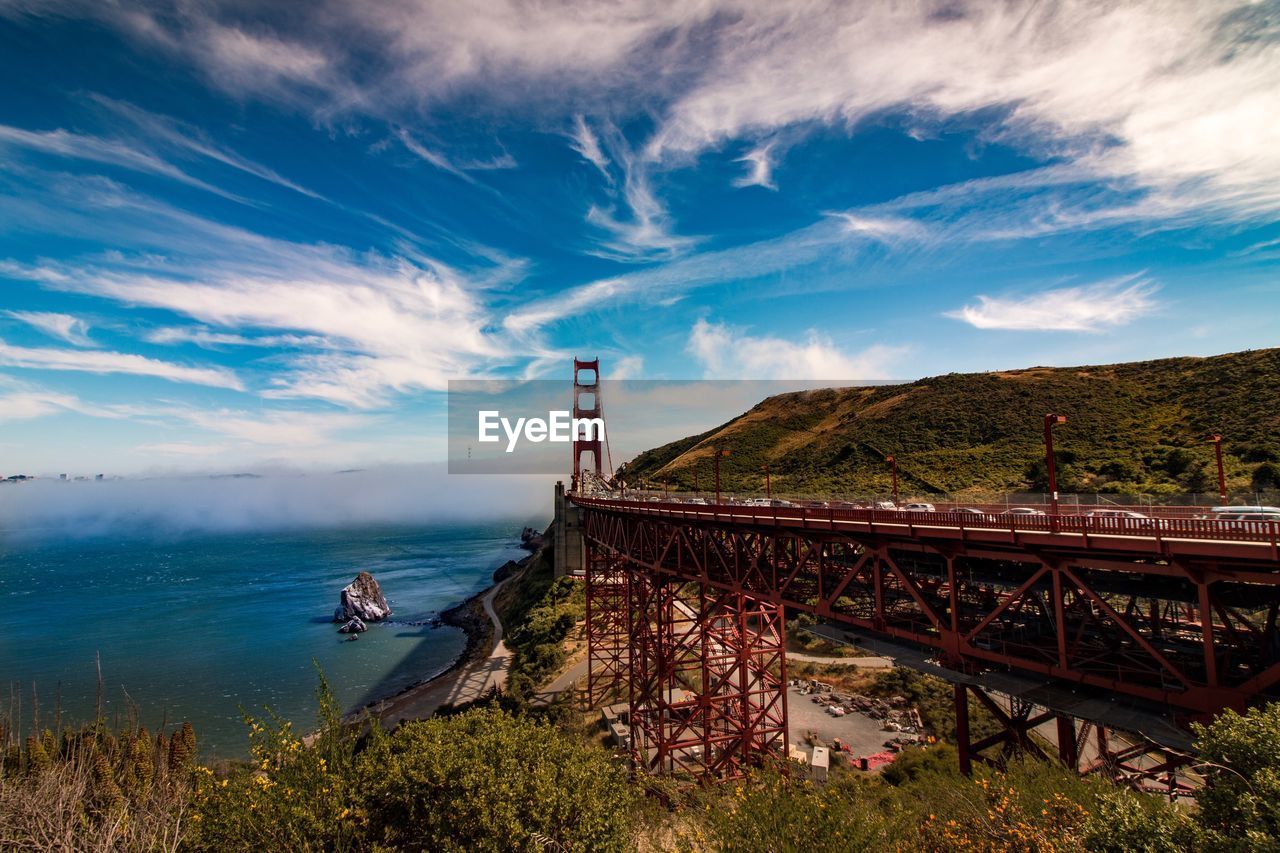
1193, 634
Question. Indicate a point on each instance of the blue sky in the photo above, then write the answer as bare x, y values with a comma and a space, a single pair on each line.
236, 234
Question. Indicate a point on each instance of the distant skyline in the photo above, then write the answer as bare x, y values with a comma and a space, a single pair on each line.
241, 235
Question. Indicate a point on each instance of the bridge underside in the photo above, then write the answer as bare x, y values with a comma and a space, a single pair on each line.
702, 604
703, 669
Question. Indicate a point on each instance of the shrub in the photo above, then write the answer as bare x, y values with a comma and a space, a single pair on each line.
1036, 805
1266, 476
774, 812
486, 780
1241, 756
299, 794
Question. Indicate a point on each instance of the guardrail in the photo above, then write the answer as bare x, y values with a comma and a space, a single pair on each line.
1156, 527
1068, 505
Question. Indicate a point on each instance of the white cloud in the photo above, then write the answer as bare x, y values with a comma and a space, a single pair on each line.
73, 330
388, 326
639, 226
1177, 97
79, 146
27, 404
886, 229
627, 367
97, 361
183, 137
359, 327
587, 144
1087, 308
452, 165
760, 168
280, 428
202, 336
728, 353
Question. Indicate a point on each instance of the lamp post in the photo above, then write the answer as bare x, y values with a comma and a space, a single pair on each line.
768, 484
1050, 421
1222, 480
718, 453
893, 462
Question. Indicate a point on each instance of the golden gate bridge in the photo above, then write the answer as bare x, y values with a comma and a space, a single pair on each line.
1110, 634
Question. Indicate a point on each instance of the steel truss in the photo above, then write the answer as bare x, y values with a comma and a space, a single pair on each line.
1084, 746
608, 614
1195, 636
707, 679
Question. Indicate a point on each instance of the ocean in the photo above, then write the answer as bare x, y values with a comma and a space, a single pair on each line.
207, 627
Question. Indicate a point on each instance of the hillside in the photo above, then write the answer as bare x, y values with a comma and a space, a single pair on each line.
1132, 428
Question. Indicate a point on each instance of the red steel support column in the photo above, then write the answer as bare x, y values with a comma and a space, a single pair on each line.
1068, 750
708, 679
1206, 634
608, 603
1059, 617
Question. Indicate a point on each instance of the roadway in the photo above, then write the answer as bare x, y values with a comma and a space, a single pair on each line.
1167, 537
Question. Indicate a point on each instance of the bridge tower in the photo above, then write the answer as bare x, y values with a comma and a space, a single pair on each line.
586, 404
607, 579
702, 669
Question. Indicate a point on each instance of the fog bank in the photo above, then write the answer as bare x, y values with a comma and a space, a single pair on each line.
174, 506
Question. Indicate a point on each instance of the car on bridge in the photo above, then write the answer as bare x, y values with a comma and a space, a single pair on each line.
1234, 517
1126, 517
921, 507
968, 510
1022, 510
1246, 513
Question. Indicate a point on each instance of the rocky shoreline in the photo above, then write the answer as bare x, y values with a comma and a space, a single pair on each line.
468, 615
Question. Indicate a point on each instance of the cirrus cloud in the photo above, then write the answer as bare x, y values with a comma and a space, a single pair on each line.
726, 352
1086, 308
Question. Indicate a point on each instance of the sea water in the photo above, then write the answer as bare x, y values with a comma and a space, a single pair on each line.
205, 628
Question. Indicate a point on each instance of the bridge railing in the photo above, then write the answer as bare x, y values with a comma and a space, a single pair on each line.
1179, 505
1164, 526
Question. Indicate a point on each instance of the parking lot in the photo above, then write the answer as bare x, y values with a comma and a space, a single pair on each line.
862, 733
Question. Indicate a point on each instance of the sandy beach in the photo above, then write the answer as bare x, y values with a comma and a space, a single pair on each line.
481, 667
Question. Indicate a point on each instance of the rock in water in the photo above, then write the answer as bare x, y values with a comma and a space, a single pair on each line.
530, 539
353, 626
362, 599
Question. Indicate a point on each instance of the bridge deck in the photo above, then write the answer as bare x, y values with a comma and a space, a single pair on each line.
1250, 545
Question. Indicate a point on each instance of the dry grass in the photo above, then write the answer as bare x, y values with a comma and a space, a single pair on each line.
845, 677
61, 807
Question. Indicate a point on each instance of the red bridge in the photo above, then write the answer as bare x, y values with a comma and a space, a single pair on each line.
1110, 634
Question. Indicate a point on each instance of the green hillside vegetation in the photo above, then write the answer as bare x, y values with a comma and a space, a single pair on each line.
489, 779
540, 611
1132, 428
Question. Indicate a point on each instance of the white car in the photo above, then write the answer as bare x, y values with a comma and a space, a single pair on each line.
1022, 510
1114, 513
1145, 522
918, 508
1246, 513
885, 505
836, 711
